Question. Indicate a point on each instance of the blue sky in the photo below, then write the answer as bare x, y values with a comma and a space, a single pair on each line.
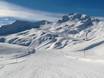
90, 7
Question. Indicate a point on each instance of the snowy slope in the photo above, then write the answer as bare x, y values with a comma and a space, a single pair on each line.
9, 51
53, 64
71, 47
70, 29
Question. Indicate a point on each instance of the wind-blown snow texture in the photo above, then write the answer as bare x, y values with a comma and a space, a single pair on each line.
71, 47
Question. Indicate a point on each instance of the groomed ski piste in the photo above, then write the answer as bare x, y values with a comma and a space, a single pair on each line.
64, 63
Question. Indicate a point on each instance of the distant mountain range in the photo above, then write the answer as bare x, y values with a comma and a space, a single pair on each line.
71, 29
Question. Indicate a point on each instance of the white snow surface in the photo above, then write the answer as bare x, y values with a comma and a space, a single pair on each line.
72, 47
53, 64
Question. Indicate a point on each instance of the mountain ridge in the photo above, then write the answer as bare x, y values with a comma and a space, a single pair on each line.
70, 29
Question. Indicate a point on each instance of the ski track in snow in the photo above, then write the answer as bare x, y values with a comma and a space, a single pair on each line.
86, 59
45, 65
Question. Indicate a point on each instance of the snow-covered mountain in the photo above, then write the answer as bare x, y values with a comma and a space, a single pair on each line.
71, 47
70, 29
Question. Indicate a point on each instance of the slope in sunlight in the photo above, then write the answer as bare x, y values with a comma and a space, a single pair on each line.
70, 29
71, 47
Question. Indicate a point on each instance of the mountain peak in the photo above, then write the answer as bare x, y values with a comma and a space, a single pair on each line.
75, 17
